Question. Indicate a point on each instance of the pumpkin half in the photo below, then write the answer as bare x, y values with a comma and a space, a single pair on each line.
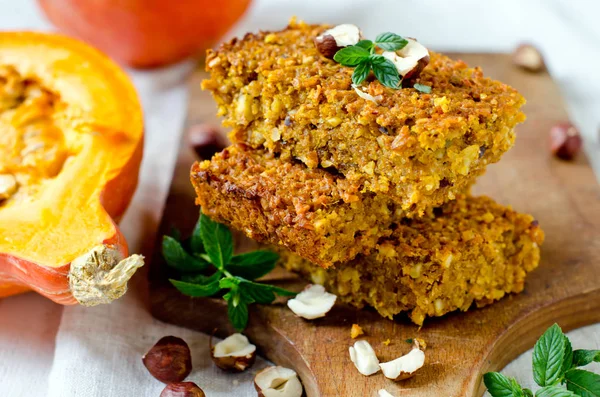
71, 141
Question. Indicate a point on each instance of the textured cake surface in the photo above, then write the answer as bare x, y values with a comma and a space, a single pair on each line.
320, 216
470, 251
278, 92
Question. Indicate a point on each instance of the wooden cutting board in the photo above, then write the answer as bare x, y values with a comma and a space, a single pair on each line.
563, 196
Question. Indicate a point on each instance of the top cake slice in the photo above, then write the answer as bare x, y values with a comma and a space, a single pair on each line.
276, 90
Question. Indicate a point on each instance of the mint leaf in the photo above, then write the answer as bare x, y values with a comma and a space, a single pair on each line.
390, 41
252, 265
568, 359
385, 71
527, 393
260, 293
217, 241
548, 355
422, 88
366, 44
361, 71
178, 258
351, 56
196, 244
196, 290
237, 310
200, 278
585, 357
229, 282
554, 391
499, 385
282, 292
583, 383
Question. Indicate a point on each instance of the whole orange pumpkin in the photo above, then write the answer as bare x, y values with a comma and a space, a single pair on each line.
146, 33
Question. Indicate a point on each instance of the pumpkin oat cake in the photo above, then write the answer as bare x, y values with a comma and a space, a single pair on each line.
319, 215
278, 92
471, 250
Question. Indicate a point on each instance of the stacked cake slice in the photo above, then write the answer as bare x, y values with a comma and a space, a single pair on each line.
364, 189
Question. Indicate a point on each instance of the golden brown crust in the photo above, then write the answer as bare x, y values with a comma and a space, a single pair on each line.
278, 92
318, 215
471, 250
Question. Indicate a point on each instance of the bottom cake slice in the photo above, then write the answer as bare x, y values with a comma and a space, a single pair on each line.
471, 250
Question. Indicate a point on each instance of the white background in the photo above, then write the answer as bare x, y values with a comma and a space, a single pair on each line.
46, 350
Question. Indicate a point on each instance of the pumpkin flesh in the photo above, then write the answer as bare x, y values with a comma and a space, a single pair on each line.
71, 136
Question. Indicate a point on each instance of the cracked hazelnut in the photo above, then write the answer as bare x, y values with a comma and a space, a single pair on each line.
529, 58
326, 45
206, 140
313, 302
404, 367
182, 389
364, 358
169, 360
409, 61
565, 141
334, 39
234, 353
277, 382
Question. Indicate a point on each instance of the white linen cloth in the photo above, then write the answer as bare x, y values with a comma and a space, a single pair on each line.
48, 350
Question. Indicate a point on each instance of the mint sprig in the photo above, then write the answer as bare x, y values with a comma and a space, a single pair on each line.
363, 58
210, 249
554, 365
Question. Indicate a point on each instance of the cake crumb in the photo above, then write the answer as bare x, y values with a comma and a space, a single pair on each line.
356, 331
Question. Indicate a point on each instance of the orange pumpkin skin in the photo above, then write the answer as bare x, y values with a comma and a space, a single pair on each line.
77, 209
146, 33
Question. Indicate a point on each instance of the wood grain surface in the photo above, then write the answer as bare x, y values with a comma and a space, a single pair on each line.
564, 197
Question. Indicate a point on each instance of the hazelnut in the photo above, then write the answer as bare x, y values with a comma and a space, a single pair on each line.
409, 61
565, 141
404, 367
313, 302
206, 140
326, 45
410, 78
182, 389
364, 358
169, 360
277, 382
234, 353
332, 40
529, 58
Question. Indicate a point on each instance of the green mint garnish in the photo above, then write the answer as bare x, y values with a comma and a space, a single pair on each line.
390, 41
363, 58
548, 355
554, 365
422, 88
210, 248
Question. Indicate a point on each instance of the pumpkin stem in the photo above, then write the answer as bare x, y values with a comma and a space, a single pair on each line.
100, 275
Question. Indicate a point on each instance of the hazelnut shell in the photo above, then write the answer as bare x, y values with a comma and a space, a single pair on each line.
565, 141
326, 45
410, 78
232, 363
182, 389
169, 360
